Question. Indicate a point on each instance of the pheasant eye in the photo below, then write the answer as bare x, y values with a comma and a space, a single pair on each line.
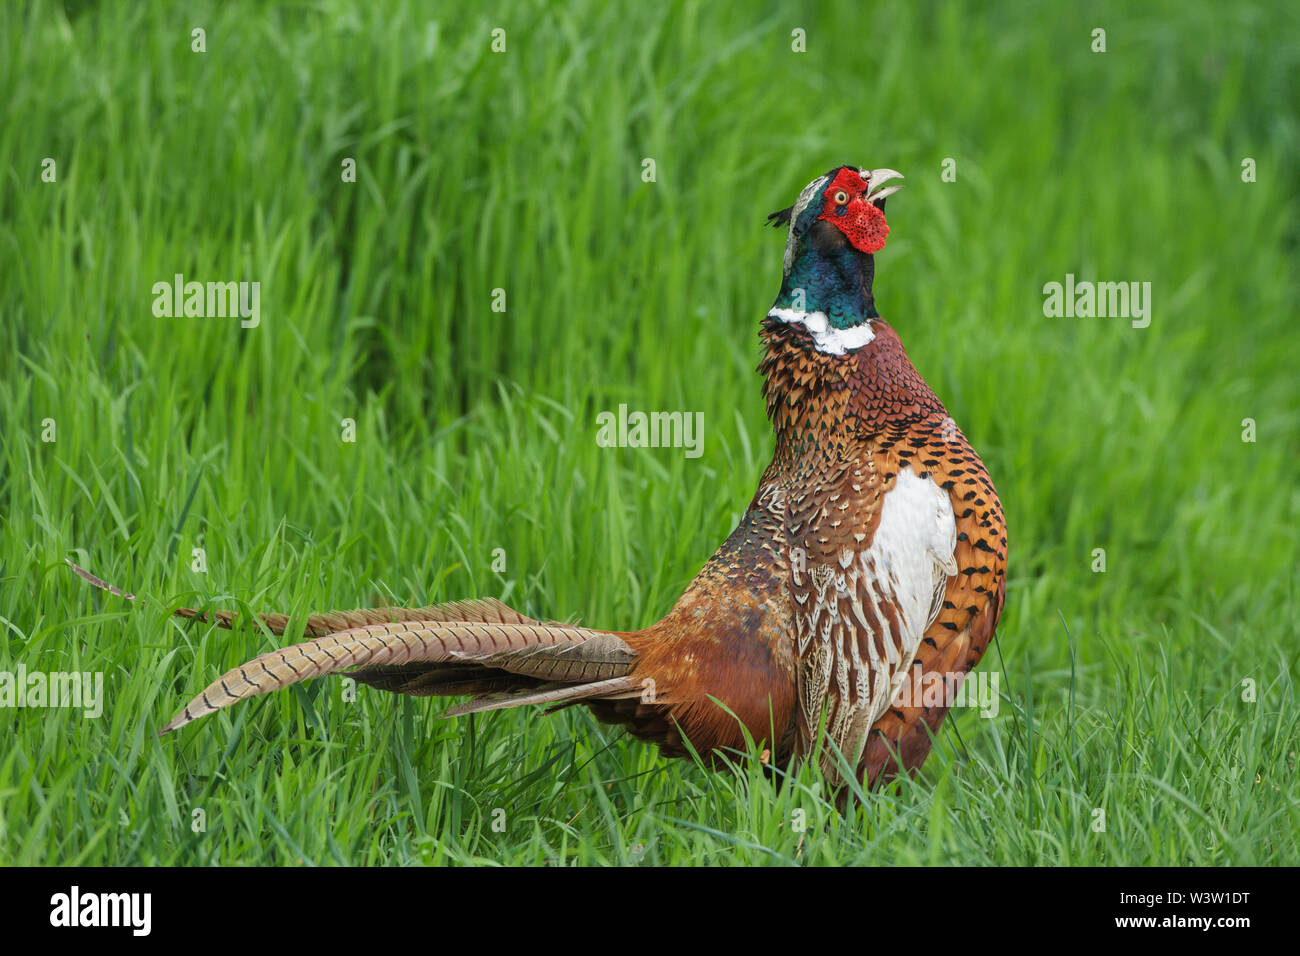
840, 197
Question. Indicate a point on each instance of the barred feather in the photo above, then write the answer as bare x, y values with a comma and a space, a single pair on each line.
527, 647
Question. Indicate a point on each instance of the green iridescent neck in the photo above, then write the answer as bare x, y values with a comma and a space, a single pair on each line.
837, 282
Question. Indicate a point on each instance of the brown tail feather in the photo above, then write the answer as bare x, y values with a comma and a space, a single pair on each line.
603, 689
599, 657
485, 610
528, 649
480, 647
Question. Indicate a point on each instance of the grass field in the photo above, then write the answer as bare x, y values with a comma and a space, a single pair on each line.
1161, 692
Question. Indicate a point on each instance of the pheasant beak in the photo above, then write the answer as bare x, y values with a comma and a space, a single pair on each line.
878, 176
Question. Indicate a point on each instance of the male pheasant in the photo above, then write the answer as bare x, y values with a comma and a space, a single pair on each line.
870, 561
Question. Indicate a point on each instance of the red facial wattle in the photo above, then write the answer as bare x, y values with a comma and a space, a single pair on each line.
846, 208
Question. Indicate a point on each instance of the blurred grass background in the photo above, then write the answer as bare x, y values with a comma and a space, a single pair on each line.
1121, 691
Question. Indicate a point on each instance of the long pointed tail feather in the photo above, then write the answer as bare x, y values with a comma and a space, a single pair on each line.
616, 688
480, 647
529, 650
487, 610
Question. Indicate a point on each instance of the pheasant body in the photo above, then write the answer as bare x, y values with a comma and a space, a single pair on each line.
899, 533
870, 560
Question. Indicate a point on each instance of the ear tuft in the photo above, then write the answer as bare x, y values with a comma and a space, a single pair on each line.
780, 218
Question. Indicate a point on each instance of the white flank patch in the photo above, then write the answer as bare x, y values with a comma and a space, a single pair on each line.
911, 558
826, 337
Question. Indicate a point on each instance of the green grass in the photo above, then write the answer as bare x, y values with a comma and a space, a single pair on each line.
1121, 691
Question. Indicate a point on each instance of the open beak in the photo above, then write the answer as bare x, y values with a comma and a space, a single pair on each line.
878, 176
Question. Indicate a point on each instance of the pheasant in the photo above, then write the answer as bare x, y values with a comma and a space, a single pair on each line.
870, 561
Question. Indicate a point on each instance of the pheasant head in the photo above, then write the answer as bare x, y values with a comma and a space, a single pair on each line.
830, 361
836, 226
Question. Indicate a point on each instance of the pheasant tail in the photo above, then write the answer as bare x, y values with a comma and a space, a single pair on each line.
482, 648
439, 657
